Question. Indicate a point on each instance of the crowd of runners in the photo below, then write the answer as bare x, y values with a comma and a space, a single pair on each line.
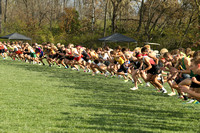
180, 68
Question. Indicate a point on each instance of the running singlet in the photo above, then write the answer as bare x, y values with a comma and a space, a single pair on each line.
192, 74
2, 47
52, 51
38, 50
152, 62
120, 60
183, 63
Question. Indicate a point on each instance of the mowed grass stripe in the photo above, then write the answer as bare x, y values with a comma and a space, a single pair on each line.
41, 99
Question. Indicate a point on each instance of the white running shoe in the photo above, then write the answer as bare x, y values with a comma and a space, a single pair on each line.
191, 101
119, 76
134, 88
106, 74
73, 68
147, 84
172, 94
164, 91
126, 80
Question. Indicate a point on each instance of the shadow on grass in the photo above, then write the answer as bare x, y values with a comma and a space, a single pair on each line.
129, 119
136, 116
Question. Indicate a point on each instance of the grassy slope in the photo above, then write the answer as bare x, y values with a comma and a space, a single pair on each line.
42, 99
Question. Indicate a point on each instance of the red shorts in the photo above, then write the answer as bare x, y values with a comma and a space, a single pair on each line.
18, 52
77, 58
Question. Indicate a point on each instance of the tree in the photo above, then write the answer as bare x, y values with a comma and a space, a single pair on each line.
69, 21
115, 7
141, 16
0, 17
105, 17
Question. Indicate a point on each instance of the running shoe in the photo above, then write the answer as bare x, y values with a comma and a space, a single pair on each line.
73, 68
164, 90
134, 88
172, 94
195, 102
191, 101
126, 80
147, 84
141, 84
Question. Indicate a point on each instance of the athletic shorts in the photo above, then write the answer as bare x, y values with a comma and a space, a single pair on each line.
70, 57
41, 54
96, 62
2, 50
180, 79
85, 59
33, 55
77, 58
154, 70
52, 56
27, 53
18, 52
123, 69
107, 63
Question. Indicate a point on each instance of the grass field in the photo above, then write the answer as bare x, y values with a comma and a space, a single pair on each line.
41, 99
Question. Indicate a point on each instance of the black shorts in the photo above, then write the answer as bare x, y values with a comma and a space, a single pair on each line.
69, 57
85, 59
61, 57
2, 50
137, 65
96, 61
154, 70
123, 69
107, 63
52, 56
27, 53
180, 79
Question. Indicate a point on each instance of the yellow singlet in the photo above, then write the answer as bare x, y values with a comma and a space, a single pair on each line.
120, 60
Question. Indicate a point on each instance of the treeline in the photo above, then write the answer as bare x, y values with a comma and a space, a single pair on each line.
172, 23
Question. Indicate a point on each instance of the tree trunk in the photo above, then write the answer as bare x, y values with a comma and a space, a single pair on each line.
105, 19
74, 4
51, 15
93, 15
0, 18
113, 19
141, 16
5, 13
64, 2
198, 8
187, 28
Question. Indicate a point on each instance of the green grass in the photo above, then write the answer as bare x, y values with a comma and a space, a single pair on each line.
41, 99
